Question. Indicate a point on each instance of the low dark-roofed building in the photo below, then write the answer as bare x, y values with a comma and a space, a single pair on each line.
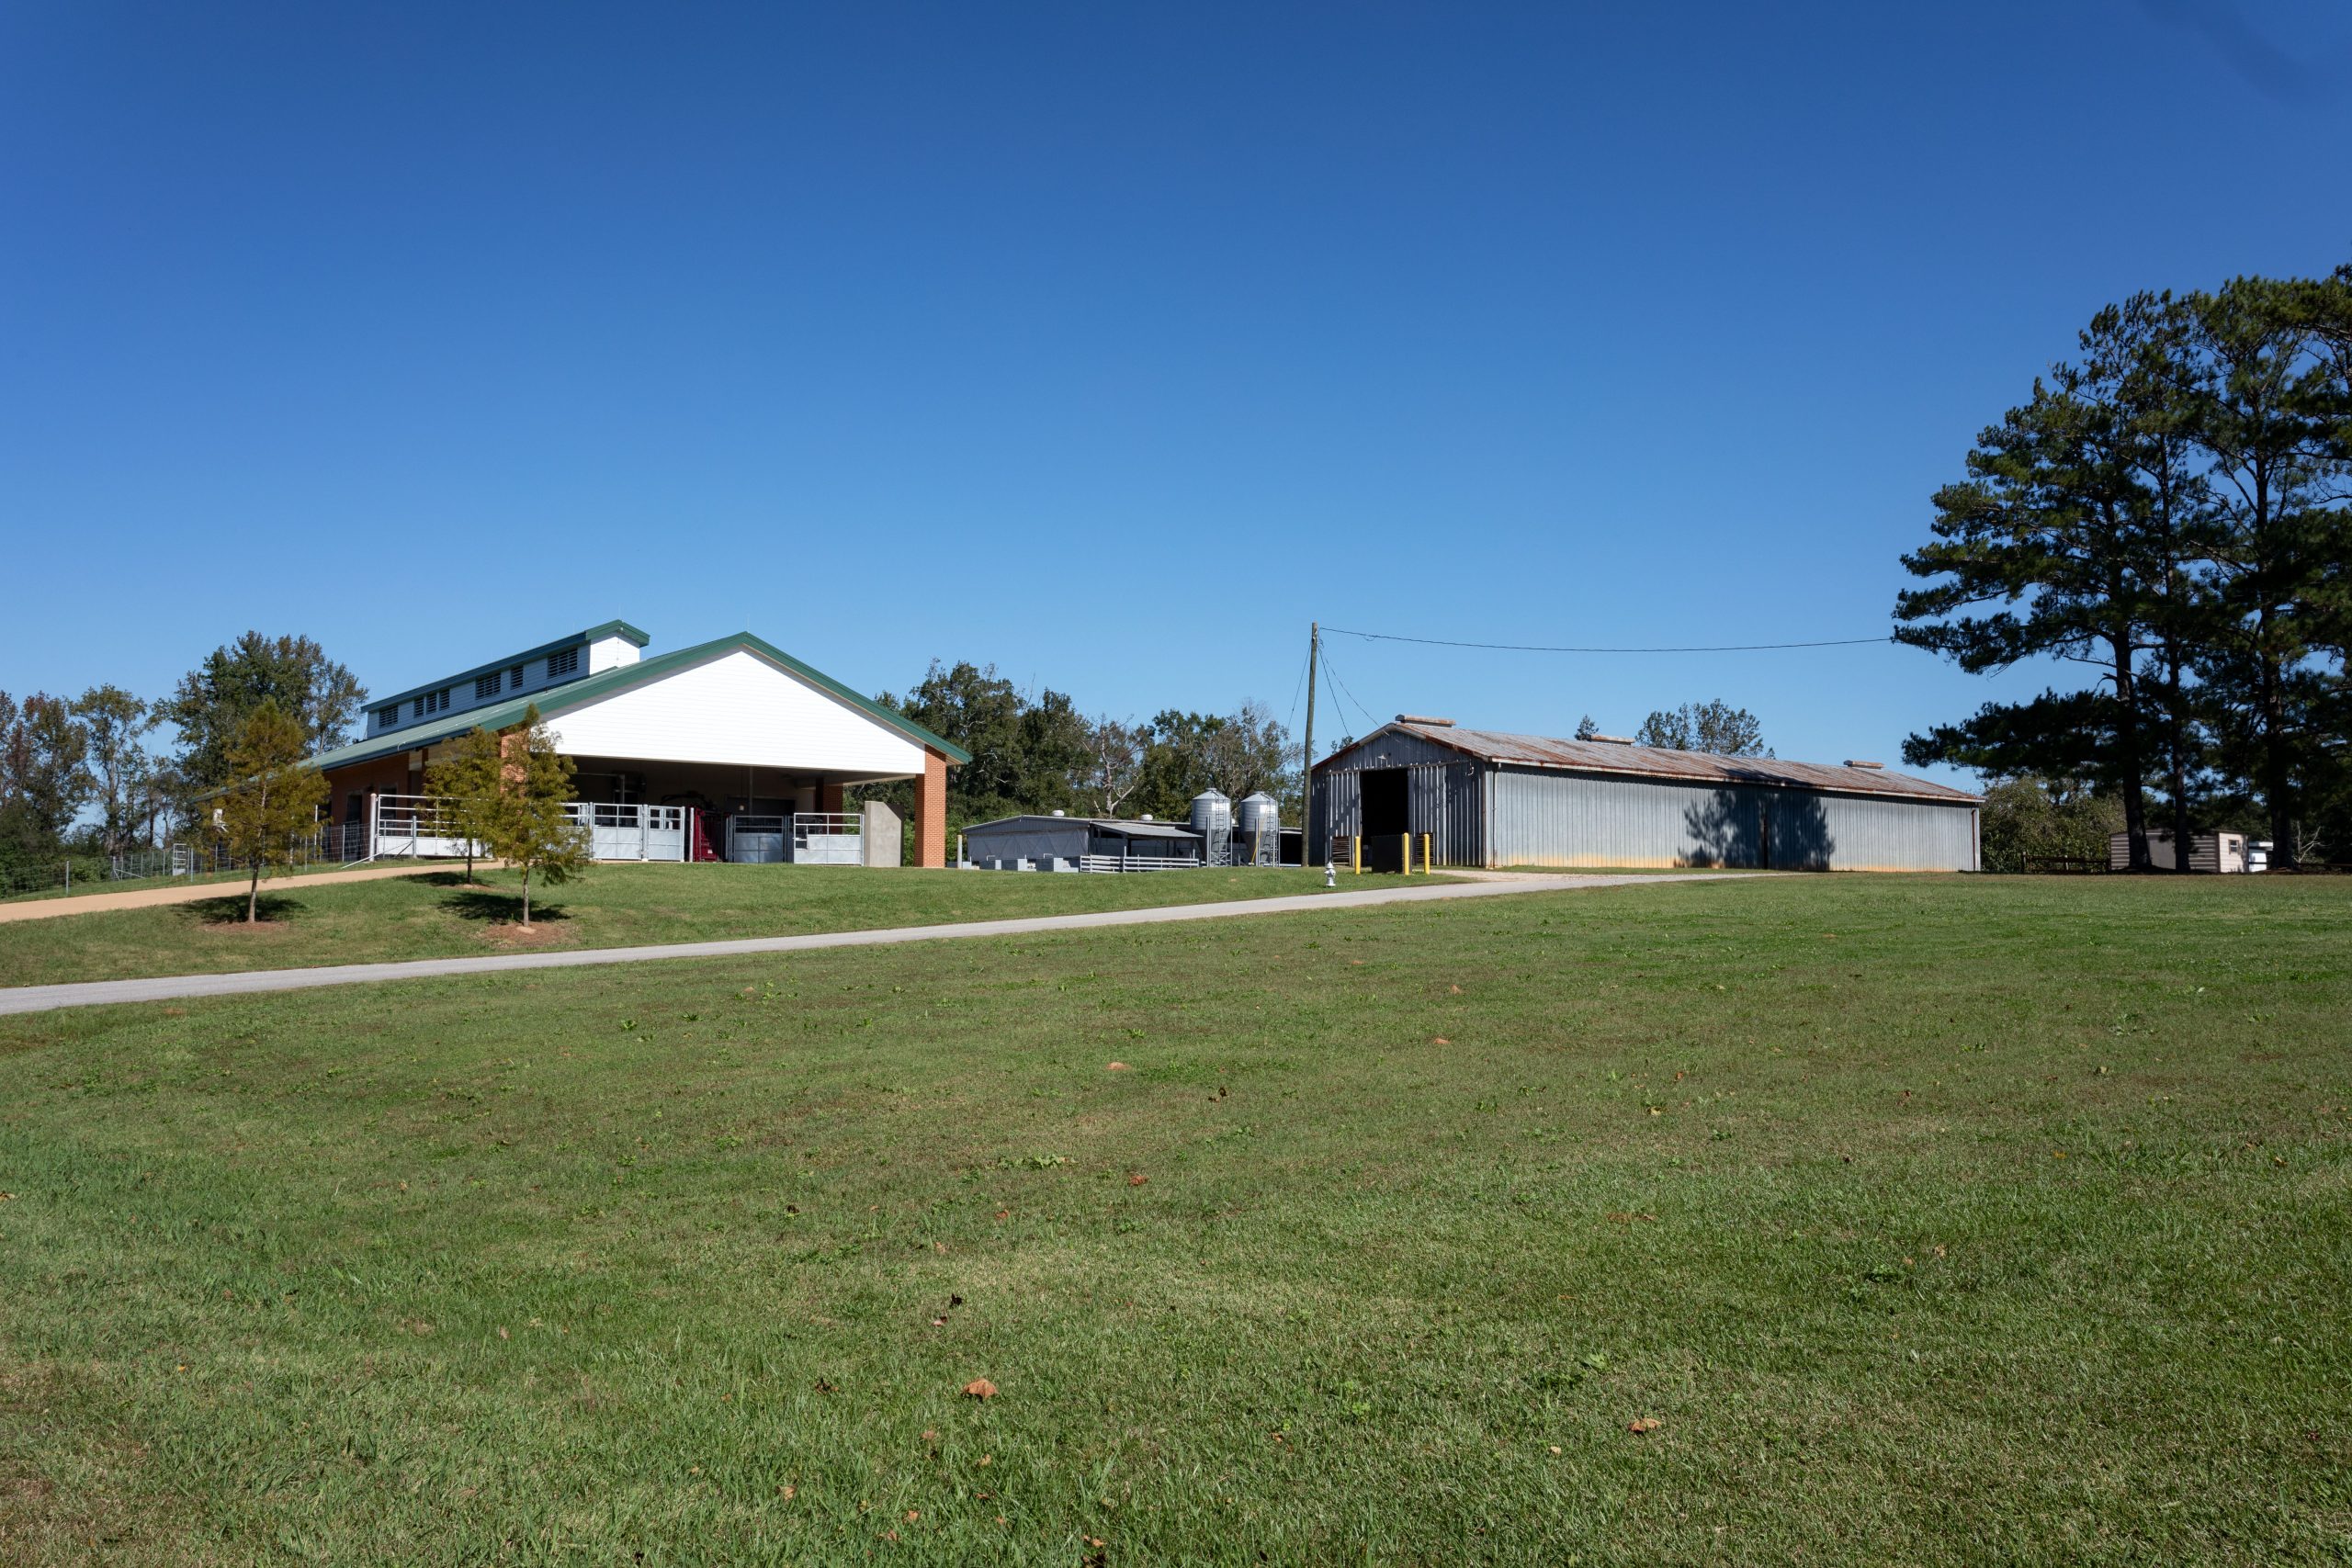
1076, 840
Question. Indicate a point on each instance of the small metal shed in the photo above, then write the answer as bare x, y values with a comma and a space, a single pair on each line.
2225, 852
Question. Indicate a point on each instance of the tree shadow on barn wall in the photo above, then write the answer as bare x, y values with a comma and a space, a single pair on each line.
1765, 829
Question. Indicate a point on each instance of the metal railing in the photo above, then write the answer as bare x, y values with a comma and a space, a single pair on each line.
1137, 862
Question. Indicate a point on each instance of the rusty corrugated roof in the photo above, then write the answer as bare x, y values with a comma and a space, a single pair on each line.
1658, 761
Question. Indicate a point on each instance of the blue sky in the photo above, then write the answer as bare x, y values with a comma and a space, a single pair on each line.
1109, 343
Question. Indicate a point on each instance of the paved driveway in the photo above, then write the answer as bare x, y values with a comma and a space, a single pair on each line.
40, 998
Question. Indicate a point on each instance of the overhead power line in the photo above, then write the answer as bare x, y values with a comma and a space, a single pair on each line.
1362, 712
1535, 647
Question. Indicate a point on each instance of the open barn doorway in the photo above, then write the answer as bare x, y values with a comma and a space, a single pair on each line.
1387, 818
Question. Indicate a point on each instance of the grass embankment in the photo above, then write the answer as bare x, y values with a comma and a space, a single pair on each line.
1929, 1220
439, 916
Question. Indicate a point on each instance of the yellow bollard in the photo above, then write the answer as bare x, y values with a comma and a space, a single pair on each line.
1408, 854
1355, 854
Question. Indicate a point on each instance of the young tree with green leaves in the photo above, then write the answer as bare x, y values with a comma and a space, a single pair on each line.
270, 796
465, 785
528, 826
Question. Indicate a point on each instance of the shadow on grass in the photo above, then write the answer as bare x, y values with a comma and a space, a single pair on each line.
273, 908
492, 907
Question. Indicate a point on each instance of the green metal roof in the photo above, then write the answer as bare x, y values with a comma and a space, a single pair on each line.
621, 629
573, 693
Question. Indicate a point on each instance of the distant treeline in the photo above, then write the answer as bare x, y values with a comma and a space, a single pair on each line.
1038, 754
2172, 509
83, 776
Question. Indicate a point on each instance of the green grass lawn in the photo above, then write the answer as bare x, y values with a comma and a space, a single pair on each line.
1931, 1220
439, 916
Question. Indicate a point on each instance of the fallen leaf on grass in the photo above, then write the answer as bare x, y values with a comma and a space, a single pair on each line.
980, 1388
1440, 1039
1118, 1067
1644, 1427
1136, 1179
1004, 1213
788, 1491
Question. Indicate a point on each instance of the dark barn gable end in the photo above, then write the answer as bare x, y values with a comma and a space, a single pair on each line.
1490, 798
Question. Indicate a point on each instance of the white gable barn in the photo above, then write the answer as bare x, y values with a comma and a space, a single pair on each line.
728, 749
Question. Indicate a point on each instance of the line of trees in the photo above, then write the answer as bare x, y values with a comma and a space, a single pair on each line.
1712, 726
2170, 509
1039, 754
83, 775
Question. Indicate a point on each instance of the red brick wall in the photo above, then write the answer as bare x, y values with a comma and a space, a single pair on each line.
931, 812
386, 775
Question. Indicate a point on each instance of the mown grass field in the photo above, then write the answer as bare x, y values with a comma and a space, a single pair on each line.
1929, 1220
439, 914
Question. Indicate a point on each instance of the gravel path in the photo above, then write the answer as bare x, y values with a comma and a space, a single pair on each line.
90, 993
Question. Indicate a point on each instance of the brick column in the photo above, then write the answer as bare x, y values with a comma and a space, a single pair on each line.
930, 811
829, 796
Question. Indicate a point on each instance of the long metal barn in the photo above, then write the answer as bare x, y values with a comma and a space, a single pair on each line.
1486, 798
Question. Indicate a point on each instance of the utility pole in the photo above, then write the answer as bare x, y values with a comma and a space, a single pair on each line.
1307, 749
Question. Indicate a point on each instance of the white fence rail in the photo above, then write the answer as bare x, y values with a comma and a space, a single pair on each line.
1136, 863
617, 831
419, 826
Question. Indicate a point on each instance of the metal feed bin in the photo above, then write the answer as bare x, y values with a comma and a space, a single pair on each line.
1212, 818
1258, 831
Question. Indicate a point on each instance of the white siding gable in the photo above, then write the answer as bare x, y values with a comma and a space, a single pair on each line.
610, 653
738, 709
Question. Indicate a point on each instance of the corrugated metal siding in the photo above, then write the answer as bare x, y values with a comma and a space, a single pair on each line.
1541, 817
1400, 741
1442, 799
